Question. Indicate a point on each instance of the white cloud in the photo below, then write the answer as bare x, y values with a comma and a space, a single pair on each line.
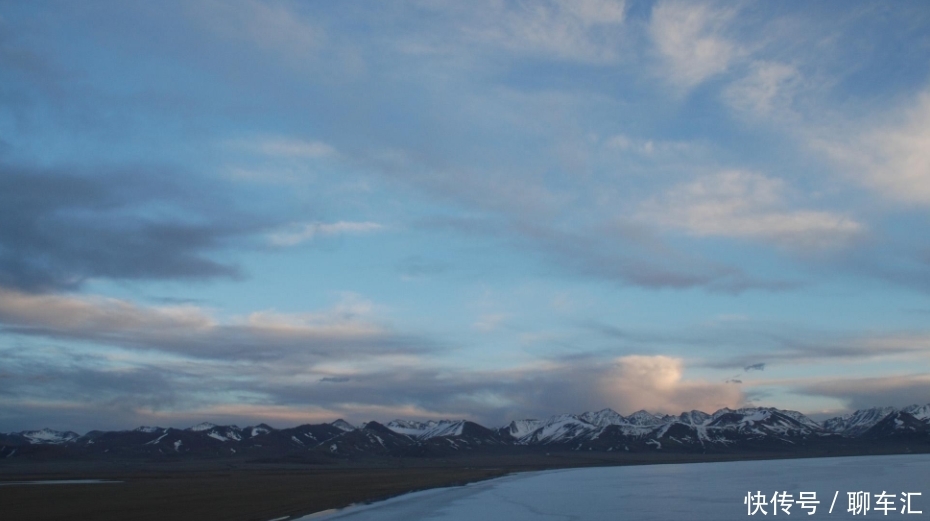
689, 38
304, 232
657, 383
893, 159
747, 205
765, 91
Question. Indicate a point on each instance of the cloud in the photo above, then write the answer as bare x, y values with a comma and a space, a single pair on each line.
892, 158
304, 232
767, 90
345, 331
288, 148
788, 350
755, 367
862, 393
587, 31
656, 383
748, 205
270, 27
335, 379
62, 227
106, 388
621, 252
689, 38
537, 390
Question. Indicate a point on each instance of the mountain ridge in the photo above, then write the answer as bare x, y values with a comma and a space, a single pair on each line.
604, 430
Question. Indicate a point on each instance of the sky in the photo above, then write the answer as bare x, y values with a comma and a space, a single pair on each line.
292, 212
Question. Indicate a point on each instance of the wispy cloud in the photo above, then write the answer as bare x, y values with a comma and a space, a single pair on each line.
286, 147
690, 38
748, 205
587, 31
892, 158
271, 27
344, 331
299, 233
899, 390
767, 90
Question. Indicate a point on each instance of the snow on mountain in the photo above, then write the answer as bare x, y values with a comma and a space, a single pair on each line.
764, 421
427, 430
604, 430
645, 419
521, 428
343, 425
694, 418
857, 422
49, 437
561, 428
258, 429
407, 427
921, 412
603, 418
802, 419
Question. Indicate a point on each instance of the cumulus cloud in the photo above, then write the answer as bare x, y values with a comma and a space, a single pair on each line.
750, 206
299, 233
689, 37
657, 383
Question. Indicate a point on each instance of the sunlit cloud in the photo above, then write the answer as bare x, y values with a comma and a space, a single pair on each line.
657, 383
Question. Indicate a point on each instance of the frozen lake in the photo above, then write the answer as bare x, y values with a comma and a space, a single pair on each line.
695, 491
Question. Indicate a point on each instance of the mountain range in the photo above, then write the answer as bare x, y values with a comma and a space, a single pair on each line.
752, 428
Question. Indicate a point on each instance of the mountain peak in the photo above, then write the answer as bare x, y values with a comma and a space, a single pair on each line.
343, 425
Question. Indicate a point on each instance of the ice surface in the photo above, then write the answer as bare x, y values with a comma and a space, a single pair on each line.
696, 491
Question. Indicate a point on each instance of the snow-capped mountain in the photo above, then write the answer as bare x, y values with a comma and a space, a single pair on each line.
49, 436
426, 430
750, 428
342, 424
857, 422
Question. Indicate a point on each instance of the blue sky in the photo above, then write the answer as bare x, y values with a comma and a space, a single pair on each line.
292, 212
